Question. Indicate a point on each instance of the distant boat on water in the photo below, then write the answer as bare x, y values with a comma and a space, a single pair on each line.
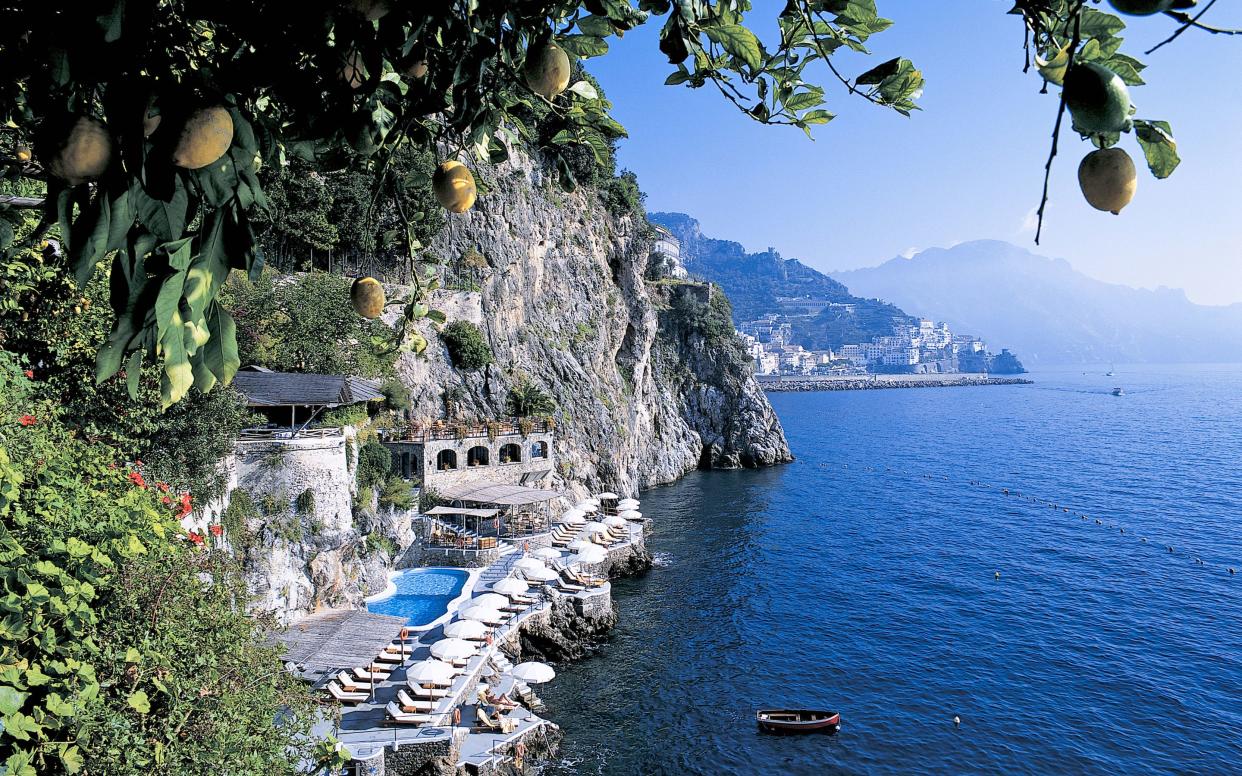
798, 721
1110, 372
1118, 392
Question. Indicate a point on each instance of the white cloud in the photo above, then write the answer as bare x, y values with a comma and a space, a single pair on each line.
1029, 222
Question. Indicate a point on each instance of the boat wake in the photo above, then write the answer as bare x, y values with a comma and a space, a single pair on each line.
661, 560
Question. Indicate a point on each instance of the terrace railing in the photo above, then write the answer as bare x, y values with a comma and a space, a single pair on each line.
279, 434
441, 432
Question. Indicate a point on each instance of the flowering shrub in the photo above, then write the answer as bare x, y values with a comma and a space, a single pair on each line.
114, 655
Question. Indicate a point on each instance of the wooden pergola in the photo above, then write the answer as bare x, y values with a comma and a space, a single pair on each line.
339, 639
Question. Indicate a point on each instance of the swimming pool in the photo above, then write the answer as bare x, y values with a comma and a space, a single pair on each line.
422, 596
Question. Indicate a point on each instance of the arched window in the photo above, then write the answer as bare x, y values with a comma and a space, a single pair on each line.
510, 453
539, 450
446, 459
477, 456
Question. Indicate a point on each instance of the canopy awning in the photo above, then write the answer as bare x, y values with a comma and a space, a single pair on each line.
340, 638
485, 492
462, 511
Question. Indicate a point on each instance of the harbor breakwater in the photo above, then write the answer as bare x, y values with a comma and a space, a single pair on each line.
878, 382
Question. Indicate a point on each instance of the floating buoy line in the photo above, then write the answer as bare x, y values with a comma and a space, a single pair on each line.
1014, 493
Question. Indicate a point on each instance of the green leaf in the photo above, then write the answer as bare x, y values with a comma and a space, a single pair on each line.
11, 700
139, 702
583, 46
19, 764
585, 90
804, 100
132, 655
1159, 147
596, 26
878, 73
220, 353
71, 759
738, 41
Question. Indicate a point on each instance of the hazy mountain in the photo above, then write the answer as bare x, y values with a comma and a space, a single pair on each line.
754, 281
1047, 311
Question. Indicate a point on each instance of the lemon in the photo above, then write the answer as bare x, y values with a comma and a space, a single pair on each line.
205, 138
22, 152
367, 297
546, 69
85, 153
353, 69
454, 186
1097, 98
1108, 179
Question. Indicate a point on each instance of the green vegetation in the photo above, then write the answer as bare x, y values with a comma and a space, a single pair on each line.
527, 399
305, 323
349, 415
378, 542
396, 493
622, 197
467, 347
304, 504
110, 633
396, 395
236, 520
374, 464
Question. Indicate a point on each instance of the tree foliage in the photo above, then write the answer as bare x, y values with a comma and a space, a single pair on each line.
305, 323
527, 399
116, 656
467, 347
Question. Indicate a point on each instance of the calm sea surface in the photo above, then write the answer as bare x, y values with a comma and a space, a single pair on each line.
861, 578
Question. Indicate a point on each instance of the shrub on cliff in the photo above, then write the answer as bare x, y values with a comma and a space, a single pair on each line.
467, 347
374, 464
115, 655
527, 399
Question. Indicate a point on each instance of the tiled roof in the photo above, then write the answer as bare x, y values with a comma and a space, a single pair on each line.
263, 388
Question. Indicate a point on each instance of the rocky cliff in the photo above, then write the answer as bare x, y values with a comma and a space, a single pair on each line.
557, 284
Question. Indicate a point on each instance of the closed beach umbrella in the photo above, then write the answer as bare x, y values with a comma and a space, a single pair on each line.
466, 629
490, 601
533, 673
529, 563
431, 671
615, 521
511, 586
453, 649
590, 555
607, 496
581, 544
481, 613
630, 514
595, 527
543, 574
546, 553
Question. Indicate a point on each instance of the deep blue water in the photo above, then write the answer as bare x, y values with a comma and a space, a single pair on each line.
861, 578
422, 594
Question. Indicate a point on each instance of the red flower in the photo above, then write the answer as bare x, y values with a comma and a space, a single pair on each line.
30, 374
137, 463
186, 507
216, 530
166, 501
196, 538
162, 487
136, 478
112, 465
28, 420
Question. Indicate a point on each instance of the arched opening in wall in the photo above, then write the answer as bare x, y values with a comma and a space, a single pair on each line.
477, 456
539, 450
510, 453
446, 459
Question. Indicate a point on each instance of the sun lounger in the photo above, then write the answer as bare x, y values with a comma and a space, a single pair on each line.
350, 684
397, 648
427, 693
344, 696
395, 714
483, 720
372, 674
410, 705
389, 657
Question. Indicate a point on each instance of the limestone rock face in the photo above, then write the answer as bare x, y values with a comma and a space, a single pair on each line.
557, 284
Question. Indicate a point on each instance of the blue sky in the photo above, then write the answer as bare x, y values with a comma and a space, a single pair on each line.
875, 185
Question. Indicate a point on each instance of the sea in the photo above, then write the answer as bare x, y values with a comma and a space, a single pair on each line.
1047, 564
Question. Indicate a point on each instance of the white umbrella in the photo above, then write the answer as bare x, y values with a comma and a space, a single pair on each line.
595, 527
592, 500
615, 521
534, 673
573, 518
431, 671
453, 649
466, 629
627, 503
546, 553
544, 574
590, 555
607, 496
587, 507
480, 613
529, 563
490, 601
630, 514
511, 586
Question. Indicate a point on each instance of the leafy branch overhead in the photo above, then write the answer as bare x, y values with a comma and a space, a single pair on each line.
149, 122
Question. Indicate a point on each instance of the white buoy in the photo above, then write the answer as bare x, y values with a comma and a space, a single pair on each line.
957, 721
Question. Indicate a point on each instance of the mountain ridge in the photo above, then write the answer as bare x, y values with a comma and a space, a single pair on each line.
1047, 310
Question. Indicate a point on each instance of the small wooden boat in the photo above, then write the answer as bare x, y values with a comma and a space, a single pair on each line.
798, 721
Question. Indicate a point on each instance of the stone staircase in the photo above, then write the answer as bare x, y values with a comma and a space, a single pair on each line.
498, 570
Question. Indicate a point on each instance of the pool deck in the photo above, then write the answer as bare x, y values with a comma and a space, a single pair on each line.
365, 729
